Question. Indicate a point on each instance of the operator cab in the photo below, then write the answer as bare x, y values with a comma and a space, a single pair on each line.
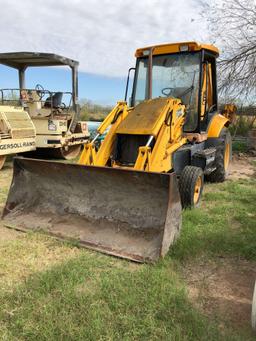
186, 71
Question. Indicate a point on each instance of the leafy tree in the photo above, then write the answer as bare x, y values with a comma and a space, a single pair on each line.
232, 26
93, 112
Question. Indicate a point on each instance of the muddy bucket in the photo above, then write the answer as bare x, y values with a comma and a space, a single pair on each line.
126, 213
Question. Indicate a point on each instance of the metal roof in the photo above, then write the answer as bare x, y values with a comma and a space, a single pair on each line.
175, 48
20, 60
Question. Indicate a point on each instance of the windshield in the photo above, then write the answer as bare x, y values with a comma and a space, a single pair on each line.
173, 75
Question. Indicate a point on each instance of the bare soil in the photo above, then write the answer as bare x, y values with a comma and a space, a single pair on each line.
7, 234
225, 287
222, 288
241, 167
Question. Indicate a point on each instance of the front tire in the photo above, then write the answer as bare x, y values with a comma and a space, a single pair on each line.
191, 185
222, 158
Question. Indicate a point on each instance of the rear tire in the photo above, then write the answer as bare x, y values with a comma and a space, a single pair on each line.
191, 185
222, 158
2, 161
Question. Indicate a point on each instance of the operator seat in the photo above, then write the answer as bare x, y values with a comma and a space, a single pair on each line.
54, 101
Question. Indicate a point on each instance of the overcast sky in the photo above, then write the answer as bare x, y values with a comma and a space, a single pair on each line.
103, 34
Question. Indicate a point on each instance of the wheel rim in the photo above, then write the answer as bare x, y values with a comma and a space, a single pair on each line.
2, 161
227, 156
197, 190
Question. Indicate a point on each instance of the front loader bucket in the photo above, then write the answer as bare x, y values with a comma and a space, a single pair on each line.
126, 213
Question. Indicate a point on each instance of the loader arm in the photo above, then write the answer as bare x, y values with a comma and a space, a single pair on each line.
168, 138
89, 156
164, 128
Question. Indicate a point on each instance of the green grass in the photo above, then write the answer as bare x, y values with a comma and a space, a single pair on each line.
225, 224
54, 291
240, 146
4, 181
90, 298
3, 194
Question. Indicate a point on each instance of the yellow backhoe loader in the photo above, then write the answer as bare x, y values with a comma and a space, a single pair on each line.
125, 197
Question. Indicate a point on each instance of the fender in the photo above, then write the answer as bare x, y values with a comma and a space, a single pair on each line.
217, 123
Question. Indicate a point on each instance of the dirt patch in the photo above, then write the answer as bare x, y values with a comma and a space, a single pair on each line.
8, 234
223, 288
241, 167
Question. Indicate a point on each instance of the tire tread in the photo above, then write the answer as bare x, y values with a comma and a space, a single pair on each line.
219, 174
187, 183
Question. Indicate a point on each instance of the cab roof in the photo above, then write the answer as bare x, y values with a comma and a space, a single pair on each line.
177, 47
21, 60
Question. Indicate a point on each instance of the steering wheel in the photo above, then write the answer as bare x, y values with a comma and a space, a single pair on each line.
167, 91
40, 90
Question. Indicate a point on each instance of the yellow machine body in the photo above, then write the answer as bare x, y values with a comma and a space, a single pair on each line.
123, 197
150, 118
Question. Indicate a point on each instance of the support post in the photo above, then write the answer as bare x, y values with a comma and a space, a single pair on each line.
74, 86
150, 66
22, 78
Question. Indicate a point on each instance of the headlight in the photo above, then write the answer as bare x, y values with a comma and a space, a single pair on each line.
184, 48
